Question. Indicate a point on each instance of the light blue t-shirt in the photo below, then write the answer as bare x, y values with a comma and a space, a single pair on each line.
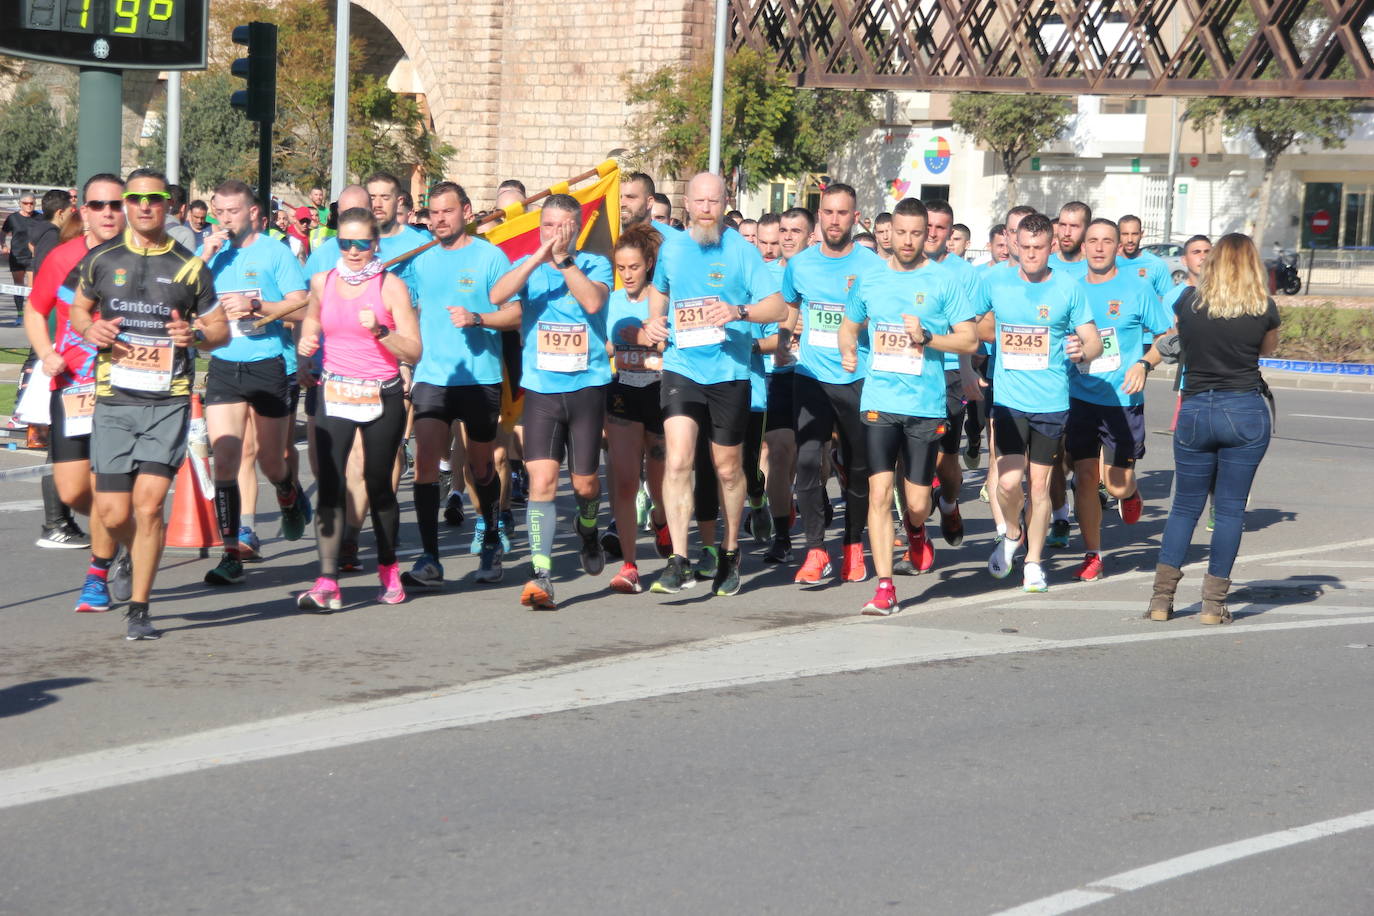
269, 271
1076, 269
902, 378
693, 276
967, 276
323, 258
408, 239
776, 268
1128, 316
462, 277
564, 347
1148, 267
1031, 371
624, 314
1172, 296
758, 368
820, 286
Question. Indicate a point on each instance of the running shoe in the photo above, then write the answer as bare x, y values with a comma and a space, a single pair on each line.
983, 493
538, 592
519, 486
489, 565
952, 527
453, 509
1033, 580
676, 576
627, 580
505, 524
708, 561
1059, 534
121, 578
725, 583
663, 541
427, 574
760, 521
445, 484
1090, 570
973, 456
1004, 556
479, 535
391, 592
140, 625
323, 596
1104, 499
779, 552
95, 596
66, 536
593, 557
853, 566
919, 557
348, 557
292, 517
610, 542
815, 569
250, 547
228, 572
884, 600
1130, 508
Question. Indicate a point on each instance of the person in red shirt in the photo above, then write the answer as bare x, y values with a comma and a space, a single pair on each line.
68, 363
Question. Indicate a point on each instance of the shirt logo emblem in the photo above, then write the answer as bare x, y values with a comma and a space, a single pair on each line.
1141, 271
1043, 312
465, 282
1114, 308
920, 298
849, 282
250, 275
873, 416
121, 277
715, 276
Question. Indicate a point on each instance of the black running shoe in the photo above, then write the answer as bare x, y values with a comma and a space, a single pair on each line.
676, 576
726, 581
593, 558
140, 627
780, 551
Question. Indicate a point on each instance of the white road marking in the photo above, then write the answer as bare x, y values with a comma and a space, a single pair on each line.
1126, 881
1322, 416
22, 505
1328, 564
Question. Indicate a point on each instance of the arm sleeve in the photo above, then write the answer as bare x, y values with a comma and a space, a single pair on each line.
1080, 313
497, 267
289, 274
855, 309
762, 283
1157, 318
598, 269
1271, 316
660, 280
789, 289
204, 291
958, 305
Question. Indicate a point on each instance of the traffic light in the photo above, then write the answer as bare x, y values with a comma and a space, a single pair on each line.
258, 101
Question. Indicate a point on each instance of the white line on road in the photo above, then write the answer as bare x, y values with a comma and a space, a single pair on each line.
1105, 889
1329, 564
1322, 416
22, 505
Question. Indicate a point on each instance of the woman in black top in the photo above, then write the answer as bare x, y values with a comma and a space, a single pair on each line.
1225, 325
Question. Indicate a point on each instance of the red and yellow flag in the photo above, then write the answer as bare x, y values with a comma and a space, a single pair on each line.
518, 234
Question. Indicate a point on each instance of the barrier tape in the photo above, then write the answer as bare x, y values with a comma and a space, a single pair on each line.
1317, 368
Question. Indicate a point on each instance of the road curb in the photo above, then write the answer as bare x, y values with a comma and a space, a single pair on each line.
1297, 381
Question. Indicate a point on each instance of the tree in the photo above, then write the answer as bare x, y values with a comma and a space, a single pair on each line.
768, 126
217, 142
1014, 127
1275, 126
36, 147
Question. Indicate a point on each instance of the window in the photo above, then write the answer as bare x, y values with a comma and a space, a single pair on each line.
1118, 105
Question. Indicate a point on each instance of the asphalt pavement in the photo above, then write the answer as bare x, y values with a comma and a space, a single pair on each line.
774, 752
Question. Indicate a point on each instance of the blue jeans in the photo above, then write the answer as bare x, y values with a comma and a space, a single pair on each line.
1218, 444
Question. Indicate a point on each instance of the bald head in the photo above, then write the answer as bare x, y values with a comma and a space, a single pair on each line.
355, 195
706, 205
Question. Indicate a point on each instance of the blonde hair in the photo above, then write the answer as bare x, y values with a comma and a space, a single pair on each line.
1233, 279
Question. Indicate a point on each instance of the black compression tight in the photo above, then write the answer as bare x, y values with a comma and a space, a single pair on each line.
821, 408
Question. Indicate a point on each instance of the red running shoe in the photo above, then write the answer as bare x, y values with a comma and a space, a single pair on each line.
1090, 570
921, 552
627, 580
1130, 508
884, 601
853, 567
815, 569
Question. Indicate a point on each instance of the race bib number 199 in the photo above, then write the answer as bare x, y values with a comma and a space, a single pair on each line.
139, 363
823, 320
1025, 346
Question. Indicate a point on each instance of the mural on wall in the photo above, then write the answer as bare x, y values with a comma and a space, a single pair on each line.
917, 156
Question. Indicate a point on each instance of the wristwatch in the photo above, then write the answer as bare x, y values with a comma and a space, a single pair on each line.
565, 263
476, 319
742, 311
926, 336
197, 336
1146, 363
380, 331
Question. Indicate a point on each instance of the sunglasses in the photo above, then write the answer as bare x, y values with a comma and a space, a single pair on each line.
96, 206
147, 198
303, 221
355, 244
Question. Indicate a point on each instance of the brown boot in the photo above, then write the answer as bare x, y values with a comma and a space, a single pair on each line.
1162, 601
1214, 609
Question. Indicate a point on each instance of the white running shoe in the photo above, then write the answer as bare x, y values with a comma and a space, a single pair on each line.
1034, 580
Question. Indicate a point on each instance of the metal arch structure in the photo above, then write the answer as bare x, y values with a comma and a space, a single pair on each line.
1261, 48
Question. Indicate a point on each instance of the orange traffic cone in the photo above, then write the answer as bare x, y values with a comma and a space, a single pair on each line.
193, 525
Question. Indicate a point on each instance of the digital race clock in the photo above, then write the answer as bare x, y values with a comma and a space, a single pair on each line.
119, 34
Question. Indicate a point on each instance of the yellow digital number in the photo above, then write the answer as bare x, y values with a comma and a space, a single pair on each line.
161, 10
85, 13
127, 9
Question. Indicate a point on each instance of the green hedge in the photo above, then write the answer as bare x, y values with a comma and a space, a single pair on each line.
1326, 334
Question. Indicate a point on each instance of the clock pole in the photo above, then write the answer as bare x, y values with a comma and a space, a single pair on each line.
99, 122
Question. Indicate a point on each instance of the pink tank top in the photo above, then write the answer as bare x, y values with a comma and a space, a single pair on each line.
350, 349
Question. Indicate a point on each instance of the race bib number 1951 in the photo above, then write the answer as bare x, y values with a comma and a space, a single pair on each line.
895, 351
1025, 346
139, 363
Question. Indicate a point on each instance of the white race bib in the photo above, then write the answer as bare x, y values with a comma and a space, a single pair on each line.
690, 327
895, 351
637, 367
356, 399
139, 363
1025, 346
244, 327
823, 320
78, 407
1109, 361
560, 347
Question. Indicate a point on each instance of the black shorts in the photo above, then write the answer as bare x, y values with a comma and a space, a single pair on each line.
1033, 434
955, 405
1117, 433
62, 447
636, 405
780, 413
478, 406
915, 439
262, 384
569, 422
722, 407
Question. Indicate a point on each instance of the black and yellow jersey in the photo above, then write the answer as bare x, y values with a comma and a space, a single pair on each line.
143, 286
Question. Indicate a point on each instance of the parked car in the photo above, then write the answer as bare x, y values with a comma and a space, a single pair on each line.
1172, 253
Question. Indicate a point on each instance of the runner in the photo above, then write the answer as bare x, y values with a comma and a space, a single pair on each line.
563, 293
779, 436
716, 286
1136, 260
917, 313
634, 413
458, 377
1195, 252
794, 231
361, 318
69, 362
826, 395
249, 379
1106, 426
1031, 312
1070, 228
147, 289
882, 231
959, 239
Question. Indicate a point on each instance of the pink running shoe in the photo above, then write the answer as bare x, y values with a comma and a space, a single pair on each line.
323, 596
391, 591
